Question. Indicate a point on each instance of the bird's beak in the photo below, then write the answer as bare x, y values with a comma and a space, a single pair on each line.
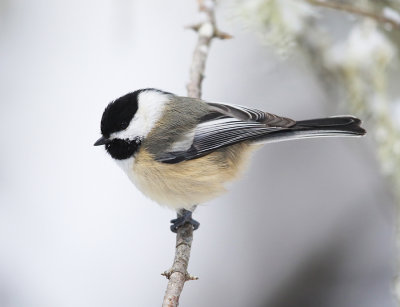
102, 141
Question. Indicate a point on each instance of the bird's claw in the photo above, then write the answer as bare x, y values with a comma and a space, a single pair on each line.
184, 217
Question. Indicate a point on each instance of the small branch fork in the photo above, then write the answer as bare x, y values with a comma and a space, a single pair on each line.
207, 30
356, 11
178, 274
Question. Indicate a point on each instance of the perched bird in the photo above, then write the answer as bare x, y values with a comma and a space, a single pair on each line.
180, 151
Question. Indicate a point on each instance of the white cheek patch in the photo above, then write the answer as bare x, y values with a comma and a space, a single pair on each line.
151, 105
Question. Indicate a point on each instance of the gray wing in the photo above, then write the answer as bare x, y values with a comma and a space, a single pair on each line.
251, 115
222, 126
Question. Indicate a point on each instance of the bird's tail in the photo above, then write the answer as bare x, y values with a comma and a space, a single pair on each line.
320, 127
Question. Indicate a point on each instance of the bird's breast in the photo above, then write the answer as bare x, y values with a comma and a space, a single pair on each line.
187, 183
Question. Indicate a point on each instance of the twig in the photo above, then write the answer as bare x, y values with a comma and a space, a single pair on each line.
178, 274
356, 11
207, 30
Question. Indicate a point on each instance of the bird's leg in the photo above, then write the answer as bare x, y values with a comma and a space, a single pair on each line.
183, 217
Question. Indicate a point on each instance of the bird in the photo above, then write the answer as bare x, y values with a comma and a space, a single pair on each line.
181, 151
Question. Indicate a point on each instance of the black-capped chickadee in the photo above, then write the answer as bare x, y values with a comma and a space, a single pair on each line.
181, 151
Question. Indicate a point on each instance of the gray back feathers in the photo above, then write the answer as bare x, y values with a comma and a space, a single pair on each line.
181, 116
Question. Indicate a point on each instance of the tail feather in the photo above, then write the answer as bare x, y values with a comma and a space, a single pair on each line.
334, 125
320, 127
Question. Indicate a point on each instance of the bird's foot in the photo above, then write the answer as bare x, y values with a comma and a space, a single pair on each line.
184, 217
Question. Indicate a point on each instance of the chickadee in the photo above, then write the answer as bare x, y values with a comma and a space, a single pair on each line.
180, 151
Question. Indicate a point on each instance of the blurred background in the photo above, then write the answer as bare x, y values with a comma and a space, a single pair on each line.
310, 224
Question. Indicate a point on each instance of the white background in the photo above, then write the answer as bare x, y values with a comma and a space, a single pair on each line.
309, 224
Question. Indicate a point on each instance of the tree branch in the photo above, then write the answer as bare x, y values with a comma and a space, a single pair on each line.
178, 274
207, 30
356, 11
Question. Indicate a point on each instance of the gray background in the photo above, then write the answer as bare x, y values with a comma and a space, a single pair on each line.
310, 224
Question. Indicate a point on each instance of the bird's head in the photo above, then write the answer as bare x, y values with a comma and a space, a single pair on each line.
127, 121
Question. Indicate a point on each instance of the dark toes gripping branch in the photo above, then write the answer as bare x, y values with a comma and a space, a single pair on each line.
184, 217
